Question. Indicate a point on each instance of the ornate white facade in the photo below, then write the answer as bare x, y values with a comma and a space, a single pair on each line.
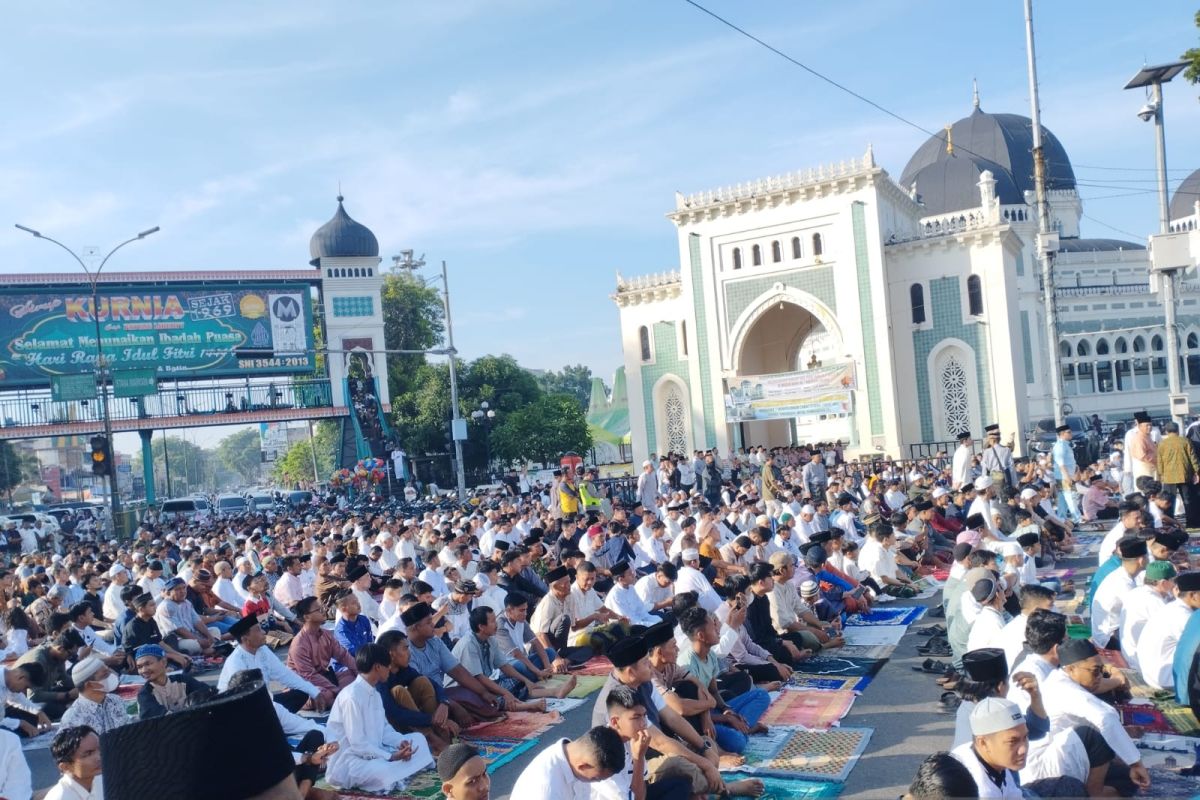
940, 313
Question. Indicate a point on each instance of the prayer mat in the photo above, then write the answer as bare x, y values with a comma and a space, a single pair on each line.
762, 747
1169, 783
927, 587
940, 574
892, 615
780, 788
1059, 574
875, 634
1079, 631
425, 785
812, 710
863, 651
587, 685
1157, 748
564, 705
498, 752
819, 755
1112, 658
842, 666
821, 683
1180, 718
597, 665
517, 725
1146, 717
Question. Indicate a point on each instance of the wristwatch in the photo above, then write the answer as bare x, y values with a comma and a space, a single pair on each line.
708, 743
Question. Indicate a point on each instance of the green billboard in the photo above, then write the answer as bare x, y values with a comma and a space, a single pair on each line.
182, 331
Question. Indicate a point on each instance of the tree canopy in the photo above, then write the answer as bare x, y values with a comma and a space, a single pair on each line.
543, 431
241, 452
1193, 56
573, 380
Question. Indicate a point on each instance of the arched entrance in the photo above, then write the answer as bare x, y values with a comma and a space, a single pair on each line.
786, 333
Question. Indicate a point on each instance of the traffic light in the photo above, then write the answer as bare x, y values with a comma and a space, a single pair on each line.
101, 456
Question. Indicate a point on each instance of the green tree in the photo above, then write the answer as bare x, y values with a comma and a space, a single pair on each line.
542, 431
241, 452
573, 380
296, 467
192, 467
1193, 56
413, 319
12, 468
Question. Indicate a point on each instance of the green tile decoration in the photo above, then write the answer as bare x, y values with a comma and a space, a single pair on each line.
946, 304
702, 348
666, 362
866, 312
739, 294
1027, 347
354, 306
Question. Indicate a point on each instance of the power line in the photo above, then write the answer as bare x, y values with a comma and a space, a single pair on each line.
1113, 227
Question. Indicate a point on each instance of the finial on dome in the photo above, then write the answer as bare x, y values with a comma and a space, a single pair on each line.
975, 93
340, 198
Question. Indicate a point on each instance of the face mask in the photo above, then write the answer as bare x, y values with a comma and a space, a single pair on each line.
111, 683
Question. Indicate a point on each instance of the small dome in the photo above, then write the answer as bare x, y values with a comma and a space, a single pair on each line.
342, 237
953, 184
1003, 139
1183, 203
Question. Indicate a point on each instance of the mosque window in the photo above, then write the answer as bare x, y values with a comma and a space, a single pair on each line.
1120, 345
737, 258
818, 247
974, 296
644, 341
1193, 370
683, 336
1082, 349
1139, 344
796, 251
776, 252
675, 414
1192, 341
756, 256
1156, 344
1104, 374
1102, 347
916, 298
1064, 350
956, 406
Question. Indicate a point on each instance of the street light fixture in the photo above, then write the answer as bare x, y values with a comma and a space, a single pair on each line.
101, 365
487, 416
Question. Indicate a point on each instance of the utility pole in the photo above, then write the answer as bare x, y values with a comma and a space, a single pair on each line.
1047, 242
458, 427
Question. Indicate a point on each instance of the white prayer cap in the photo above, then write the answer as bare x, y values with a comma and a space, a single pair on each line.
939, 492
116, 569
808, 588
85, 669
808, 508
647, 464
763, 521
1028, 494
691, 554
995, 714
983, 482
1008, 549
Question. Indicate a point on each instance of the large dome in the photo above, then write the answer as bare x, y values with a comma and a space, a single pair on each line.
342, 237
1003, 140
953, 183
1183, 204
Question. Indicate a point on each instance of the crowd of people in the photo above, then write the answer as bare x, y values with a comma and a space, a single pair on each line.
384, 638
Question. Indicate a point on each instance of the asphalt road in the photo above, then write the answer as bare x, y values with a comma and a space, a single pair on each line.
900, 705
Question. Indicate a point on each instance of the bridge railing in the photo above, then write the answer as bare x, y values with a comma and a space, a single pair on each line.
34, 407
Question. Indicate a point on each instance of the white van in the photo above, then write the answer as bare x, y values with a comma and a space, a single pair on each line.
189, 508
231, 505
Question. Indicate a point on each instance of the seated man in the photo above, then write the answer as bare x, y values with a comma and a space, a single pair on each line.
553, 619
175, 615
252, 653
96, 706
623, 599
594, 625
533, 659
352, 628
430, 657
142, 629
481, 655
17, 713
627, 716
162, 693
76, 752
736, 719
55, 691
371, 755
562, 769
412, 703
82, 616
315, 655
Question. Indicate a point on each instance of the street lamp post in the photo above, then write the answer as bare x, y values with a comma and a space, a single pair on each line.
487, 416
1154, 78
101, 364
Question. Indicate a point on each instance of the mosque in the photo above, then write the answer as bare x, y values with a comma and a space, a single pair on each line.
840, 303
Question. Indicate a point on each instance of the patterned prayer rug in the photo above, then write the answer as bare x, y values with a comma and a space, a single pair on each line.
892, 615
842, 666
586, 685
813, 710
821, 683
597, 665
1169, 783
1147, 718
781, 788
1079, 631
517, 725
498, 752
863, 651
875, 634
819, 755
424, 785
1180, 718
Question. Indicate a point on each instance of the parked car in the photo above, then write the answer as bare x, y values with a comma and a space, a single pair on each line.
231, 504
299, 499
190, 508
1084, 439
261, 502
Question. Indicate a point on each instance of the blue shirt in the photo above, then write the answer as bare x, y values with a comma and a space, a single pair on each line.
1064, 459
433, 660
1102, 572
353, 635
1185, 654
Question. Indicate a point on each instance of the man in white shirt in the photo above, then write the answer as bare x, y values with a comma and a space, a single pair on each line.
566, 770
657, 590
1143, 604
988, 630
1012, 637
1128, 522
288, 589
1160, 637
251, 653
1109, 597
878, 559
114, 609
691, 579
623, 599
960, 472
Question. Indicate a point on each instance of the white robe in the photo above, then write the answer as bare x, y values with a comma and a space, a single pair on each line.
1106, 605
15, 779
966, 756
549, 777
1067, 703
624, 601
987, 630
960, 472
366, 742
1156, 647
1140, 606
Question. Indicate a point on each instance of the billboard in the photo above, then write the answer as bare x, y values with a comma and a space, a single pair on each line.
183, 331
820, 393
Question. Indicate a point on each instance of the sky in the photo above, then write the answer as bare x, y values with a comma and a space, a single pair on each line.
535, 145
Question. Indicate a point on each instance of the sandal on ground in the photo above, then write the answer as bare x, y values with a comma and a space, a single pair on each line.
932, 667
